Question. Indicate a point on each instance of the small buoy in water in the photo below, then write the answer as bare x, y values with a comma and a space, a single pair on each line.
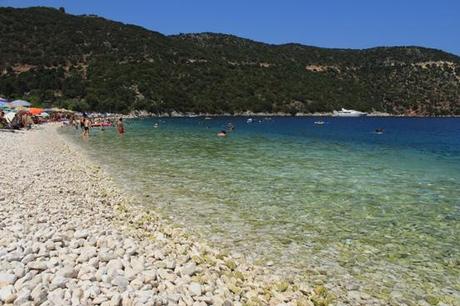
249, 120
156, 125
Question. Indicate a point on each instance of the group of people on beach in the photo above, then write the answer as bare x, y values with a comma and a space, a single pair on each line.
85, 124
24, 119
21, 120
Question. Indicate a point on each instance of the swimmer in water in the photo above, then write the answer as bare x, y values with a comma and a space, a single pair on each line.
222, 133
230, 127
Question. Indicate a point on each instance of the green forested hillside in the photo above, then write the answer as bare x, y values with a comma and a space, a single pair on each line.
90, 63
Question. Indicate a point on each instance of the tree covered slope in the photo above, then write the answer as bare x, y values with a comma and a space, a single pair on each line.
90, 63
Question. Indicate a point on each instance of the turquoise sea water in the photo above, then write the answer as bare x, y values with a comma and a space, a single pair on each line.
336, 203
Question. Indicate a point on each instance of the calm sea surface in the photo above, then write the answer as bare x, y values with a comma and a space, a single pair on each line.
334, 203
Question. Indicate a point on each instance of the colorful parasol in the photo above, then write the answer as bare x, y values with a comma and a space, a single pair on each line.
18, 103
35, 110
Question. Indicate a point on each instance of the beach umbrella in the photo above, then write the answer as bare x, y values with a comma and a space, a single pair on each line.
35, 110
17, 103
44, 114
21, 108
52, 110
4, 104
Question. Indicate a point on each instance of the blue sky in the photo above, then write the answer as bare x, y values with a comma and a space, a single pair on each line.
324, 23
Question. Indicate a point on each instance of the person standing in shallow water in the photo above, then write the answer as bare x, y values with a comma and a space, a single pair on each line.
86, 126
120, 127
82, 123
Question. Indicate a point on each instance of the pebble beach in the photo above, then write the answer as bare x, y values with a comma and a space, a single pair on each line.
68, 236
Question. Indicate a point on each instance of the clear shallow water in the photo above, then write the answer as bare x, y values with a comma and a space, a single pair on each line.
335, 203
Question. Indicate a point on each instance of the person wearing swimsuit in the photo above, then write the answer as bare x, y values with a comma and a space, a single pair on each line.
120, 126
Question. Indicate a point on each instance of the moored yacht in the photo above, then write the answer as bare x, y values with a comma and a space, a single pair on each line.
348, 113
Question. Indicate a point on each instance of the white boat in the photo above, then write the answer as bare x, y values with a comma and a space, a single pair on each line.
348, 113
319, 122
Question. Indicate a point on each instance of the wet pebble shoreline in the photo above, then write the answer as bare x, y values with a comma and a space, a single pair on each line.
69, 237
